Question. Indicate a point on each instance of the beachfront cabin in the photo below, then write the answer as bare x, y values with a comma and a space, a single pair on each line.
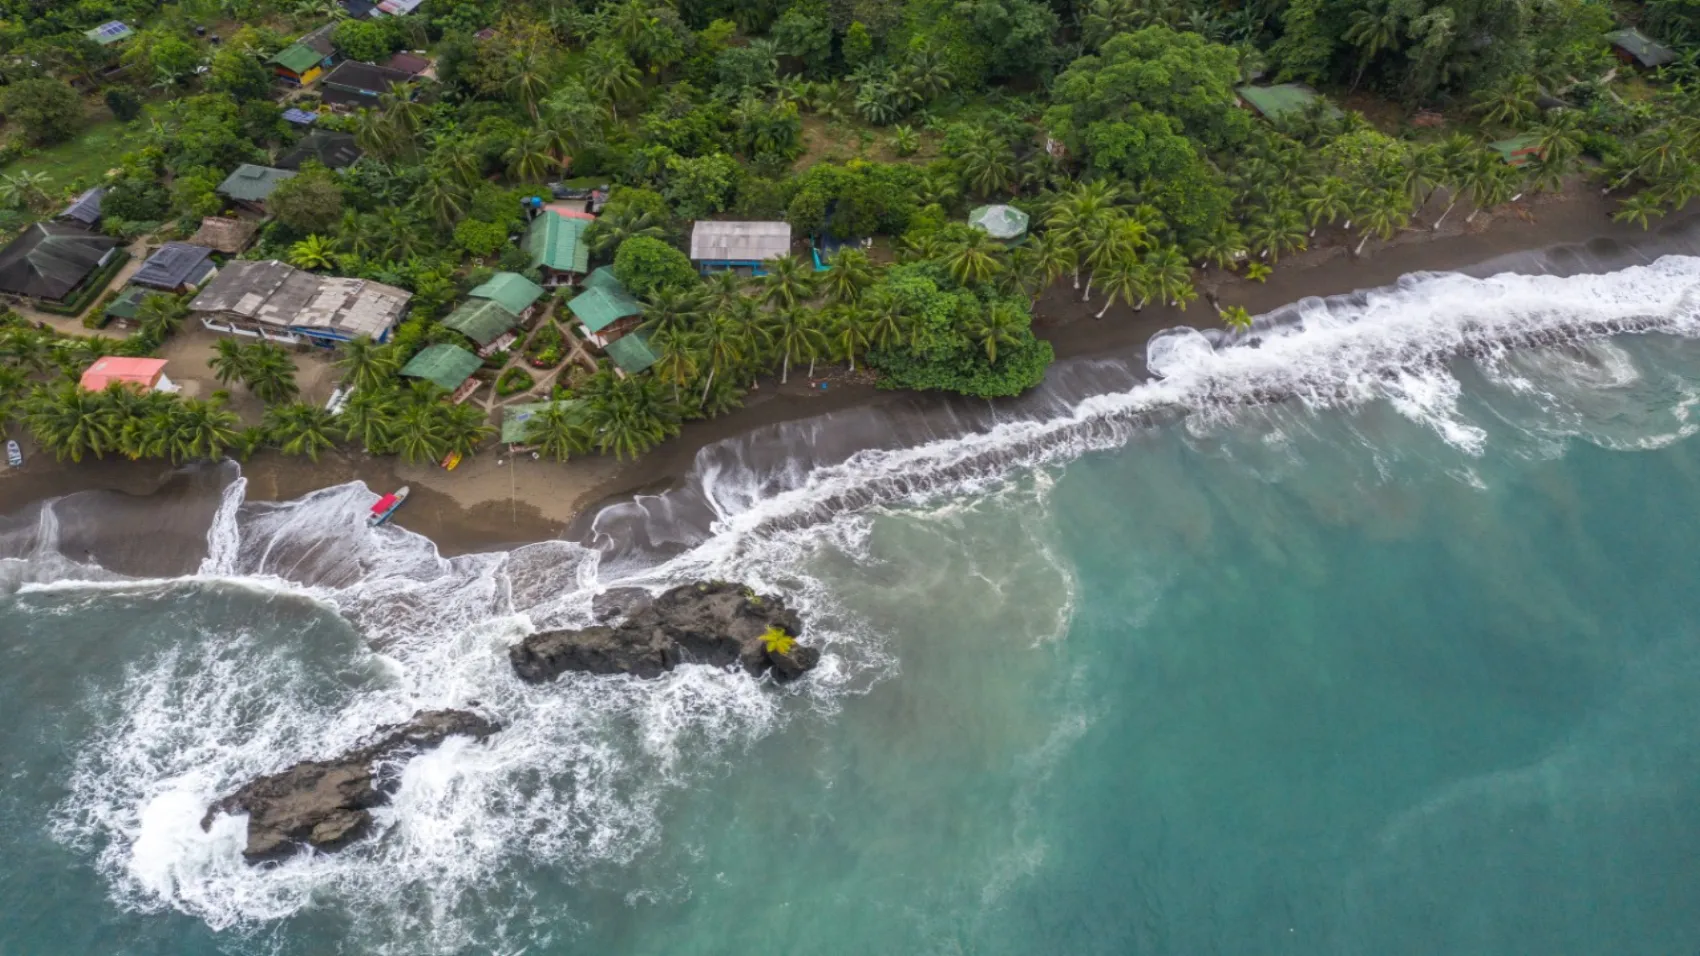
225, 235
486, 322
450, 367
1638, 49
110, 32
356, 86
1519, 150
718, 246
85, 209
1285, 101
142, 374
250, 186
1000, 222
516, 420
278, 302
307, 59
54, 261
606, 314
558, 250
328, 149
177, 267
631, 354
515, 292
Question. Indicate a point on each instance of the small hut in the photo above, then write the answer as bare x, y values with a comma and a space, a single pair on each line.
1633, 46
999, 222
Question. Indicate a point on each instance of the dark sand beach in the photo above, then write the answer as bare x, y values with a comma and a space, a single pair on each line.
492, 501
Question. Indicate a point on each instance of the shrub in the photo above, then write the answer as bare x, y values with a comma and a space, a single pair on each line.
644, 265
513, 381
48, 111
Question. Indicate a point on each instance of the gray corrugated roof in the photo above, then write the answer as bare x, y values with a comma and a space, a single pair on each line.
279, 294
173, 265
242, 287
86, 208
50, 259
740, 241
252, 183
329, 149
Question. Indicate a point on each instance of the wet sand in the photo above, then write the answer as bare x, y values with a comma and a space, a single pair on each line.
492, 501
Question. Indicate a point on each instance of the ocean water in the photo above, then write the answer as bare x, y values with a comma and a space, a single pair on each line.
1374, 631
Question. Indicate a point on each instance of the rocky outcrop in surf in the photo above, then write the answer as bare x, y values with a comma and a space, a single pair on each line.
714, 623
327, 804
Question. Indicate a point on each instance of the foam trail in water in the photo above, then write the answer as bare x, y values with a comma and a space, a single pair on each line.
580, 773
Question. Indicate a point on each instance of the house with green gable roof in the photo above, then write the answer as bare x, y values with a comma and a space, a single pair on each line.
515, 292
486, 322
606, 315
449, 366
557, 248
631, 353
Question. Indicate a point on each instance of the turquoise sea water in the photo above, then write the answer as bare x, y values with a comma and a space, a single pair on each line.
1413, 674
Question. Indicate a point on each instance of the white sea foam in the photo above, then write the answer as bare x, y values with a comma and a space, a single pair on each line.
581, 771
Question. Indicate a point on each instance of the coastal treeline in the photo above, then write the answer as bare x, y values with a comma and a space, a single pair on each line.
1116, 128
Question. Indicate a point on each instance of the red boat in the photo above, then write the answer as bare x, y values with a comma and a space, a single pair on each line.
386, 506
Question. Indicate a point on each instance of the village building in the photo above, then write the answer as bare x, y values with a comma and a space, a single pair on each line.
356, 86
225, 235
52, 261
396, 8
142, 374
632, 353
717, 246
557, 247
307, 59
416, 65
486, 322
276, 301
999, 222
515, 292
450, 367
606, 313
128, 305
250, 186
110, 32
1633, 46
176, 267
300, 117
1284, 101
85, 209
329, 149
1519, 150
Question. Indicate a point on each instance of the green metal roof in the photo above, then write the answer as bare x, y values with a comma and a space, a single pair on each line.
557, 242
298, 57
447, 365
481, 320
1643, 48
602, 277
632, 353
128, 304
599, 308
1282, 99
515, 292
1518, 149
253, 183
516, 419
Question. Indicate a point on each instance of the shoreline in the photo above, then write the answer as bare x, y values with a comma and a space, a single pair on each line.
492, 502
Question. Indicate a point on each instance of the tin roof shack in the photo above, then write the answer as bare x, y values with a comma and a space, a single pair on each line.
51, 261
274, 300
176, 267
307, 59
353, 86
450, 367
85, 208
1284, 101
142, 374
716, 246
606, 314
486, 322
1633, 46
329, 149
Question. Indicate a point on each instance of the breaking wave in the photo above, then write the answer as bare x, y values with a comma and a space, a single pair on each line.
579, 778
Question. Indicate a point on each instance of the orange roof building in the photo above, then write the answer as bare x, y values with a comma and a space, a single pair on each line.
144, 374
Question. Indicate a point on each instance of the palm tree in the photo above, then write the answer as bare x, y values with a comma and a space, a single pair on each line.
465, 427
270, 373
1274, 233
849, 271
300, 429
883, 319
850, 336
722, 340
1561, 137
231, 361
986, 164
1223, 247
71, 422
559, 431
670, 312
313, 252
1423, 170
629, 416
609, 73
1371, 31
1002, 324
973, 257
1170, 277
1119, 239
529, 159
369, 417
675, 361
420, 434
1076, 215
366, 365
797, 338
377, 134
444, 198
724, 288
203, 429
1384, 217
1236, 317
528, 83
1489, 182
1326, 200
159, 316
788, 282
1640, 208
1129, 281
1511, 103
621, 223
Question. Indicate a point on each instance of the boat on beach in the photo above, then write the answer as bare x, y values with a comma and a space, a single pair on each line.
387, 506
14, 454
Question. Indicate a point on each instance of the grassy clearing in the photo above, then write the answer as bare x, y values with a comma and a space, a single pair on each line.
84, 159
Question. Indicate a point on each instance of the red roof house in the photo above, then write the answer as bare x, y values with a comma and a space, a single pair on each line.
144, 374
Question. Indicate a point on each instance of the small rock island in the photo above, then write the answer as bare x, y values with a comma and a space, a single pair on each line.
710, 622
326, 804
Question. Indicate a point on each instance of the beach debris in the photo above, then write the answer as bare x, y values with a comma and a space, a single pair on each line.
709, 622
327, 804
